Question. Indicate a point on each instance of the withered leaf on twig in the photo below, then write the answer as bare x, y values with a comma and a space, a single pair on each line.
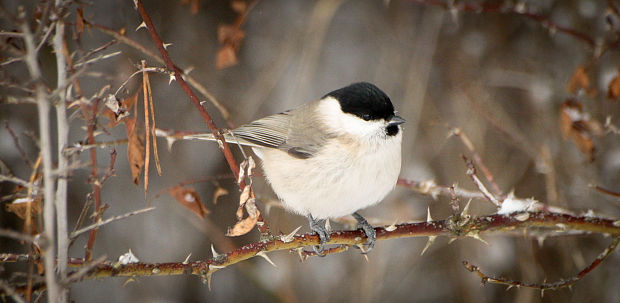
135, 149
79, 21
19, 207
247, 201
579, 80
613, 90
116, 110
231, 36
239, 6
577, 126
188, 198
226, 57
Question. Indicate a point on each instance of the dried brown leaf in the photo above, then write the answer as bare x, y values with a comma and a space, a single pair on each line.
613, 91
247, 202
577, 126
230, 34
188, 198
239, 6
195, 7
242, 227
226, 57
116, 111
20, 206
579, 80
79, 22
135, 149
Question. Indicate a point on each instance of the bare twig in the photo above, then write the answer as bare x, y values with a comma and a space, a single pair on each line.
16, 235
432, 189
11, 292
546, 286
138, 72
92, 122
16, 180
83, 215
485, 170
607, 191
106, 221
16, 142
111, 171
471, 172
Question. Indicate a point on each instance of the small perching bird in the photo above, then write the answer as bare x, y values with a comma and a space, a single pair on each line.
331, 157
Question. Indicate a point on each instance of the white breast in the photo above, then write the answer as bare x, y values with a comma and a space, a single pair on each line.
341, 179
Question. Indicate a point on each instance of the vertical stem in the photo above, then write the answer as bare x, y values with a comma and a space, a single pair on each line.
43, 108
63, 136
94, 179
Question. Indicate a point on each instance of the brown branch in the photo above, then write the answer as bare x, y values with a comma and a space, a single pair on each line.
545, 286
94, 180
223, 145
607, 191
504, 7
469, 227
16, 142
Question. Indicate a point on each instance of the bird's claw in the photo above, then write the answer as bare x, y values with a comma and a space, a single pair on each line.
370, 232
318, 227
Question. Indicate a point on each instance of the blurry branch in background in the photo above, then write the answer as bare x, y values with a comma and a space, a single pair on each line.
121, 37
507, 7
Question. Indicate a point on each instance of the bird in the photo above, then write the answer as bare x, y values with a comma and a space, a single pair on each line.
330, 157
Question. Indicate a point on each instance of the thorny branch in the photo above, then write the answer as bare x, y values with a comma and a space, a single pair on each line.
451, 227
232, 163
545, 286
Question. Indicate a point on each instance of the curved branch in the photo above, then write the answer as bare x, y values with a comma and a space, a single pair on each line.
456, 226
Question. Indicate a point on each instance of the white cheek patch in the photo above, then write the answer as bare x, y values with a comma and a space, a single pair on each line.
340, 122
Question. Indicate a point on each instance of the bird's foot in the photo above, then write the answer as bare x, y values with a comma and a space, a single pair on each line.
370, 232
318, 226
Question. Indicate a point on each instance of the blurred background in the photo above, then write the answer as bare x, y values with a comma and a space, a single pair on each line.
500, 75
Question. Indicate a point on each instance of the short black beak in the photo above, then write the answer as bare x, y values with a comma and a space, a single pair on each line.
396, 120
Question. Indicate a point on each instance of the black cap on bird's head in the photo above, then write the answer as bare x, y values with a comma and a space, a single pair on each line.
364, 100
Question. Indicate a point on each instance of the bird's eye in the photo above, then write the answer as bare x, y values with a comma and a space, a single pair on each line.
392, 130
366, 117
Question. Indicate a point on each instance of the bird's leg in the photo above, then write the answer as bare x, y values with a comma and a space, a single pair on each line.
318, 226
368, 230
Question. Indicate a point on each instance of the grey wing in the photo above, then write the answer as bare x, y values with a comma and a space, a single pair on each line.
290, 131
271, 131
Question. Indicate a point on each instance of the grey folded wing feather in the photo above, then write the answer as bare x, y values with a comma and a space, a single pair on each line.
295, 133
